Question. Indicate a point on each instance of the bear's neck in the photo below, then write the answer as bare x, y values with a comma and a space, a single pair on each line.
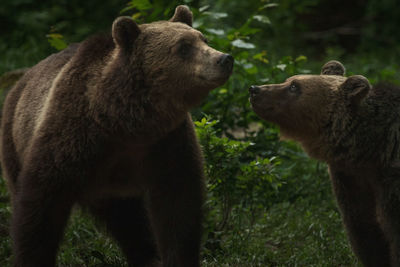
122, 104
310, 134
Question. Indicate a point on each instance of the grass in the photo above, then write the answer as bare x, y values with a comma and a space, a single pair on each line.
302, 228
304, 232
296, 234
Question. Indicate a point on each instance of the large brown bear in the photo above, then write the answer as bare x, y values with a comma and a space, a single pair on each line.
105, 124
355, 128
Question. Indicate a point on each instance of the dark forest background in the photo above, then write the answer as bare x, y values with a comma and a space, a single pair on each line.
268, 203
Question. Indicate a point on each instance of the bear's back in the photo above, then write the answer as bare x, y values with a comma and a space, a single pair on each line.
27, 98
53, 82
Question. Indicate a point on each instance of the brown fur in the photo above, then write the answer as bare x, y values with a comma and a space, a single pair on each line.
355, 128
105, 124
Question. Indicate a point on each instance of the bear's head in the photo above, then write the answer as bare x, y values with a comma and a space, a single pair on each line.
153, 74
303, 105
173, 59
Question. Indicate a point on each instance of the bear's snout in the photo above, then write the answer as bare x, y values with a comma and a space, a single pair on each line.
226, 62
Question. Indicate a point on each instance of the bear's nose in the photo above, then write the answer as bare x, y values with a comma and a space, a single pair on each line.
226, 61
254, 89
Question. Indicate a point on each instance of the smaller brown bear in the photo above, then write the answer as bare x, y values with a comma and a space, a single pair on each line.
105, 124
355, 128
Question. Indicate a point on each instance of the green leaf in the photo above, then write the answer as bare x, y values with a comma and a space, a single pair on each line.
304, 71
216, 15
142, 4
269, 6
136, 16
56, 41
216, 31
223, 91
252, 70
262, 57
242, 44
301, 58
204, 8
282, 67
262, 18
245, 30
197, 23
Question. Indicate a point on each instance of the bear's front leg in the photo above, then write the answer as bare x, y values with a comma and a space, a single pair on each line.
357, 202
176, 214
39, 214
127, 220
391, 222
50, 182
176, 196
389, 203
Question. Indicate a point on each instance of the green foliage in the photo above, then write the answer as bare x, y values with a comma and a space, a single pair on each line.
145, 11
56, 40
5, 244
26, 24
85, 244
240, 185
269, 210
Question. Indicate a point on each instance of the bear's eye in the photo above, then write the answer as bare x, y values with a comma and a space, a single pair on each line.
293, 88
185, 49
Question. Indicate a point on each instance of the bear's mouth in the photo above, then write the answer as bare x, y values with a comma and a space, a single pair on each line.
259, 107
215, 80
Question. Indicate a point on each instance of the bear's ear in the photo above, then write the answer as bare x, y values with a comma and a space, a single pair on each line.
183, 14
333, 67
356, 87
124, 32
